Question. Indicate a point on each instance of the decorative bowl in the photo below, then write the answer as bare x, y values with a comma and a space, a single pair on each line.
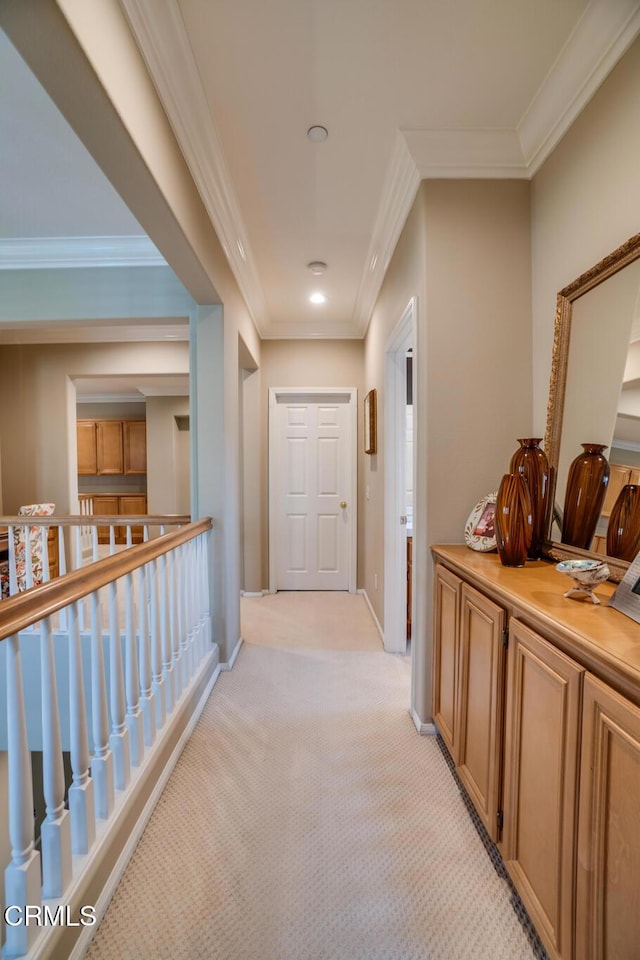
586, 575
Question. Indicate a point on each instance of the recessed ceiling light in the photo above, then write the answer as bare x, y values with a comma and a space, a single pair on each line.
317, 267
318, 297
317, 134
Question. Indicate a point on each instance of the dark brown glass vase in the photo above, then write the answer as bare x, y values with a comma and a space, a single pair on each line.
532, 463
623, 532
513, 521
586, 488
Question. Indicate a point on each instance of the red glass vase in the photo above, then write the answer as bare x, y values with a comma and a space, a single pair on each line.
623, 532
532, 463
513, 522
586, 488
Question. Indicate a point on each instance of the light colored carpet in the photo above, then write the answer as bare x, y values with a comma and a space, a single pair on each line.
307, 820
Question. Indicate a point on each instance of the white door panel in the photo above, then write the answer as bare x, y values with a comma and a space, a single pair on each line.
311, 469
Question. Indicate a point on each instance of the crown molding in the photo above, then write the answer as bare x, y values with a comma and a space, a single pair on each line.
399, 191
162, 39
467, 153
601, 36
90, 331
37, 253
626, 445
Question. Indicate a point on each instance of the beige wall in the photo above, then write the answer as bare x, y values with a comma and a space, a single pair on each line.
167, 456
38, 440
465, 254
308, 363
585, 203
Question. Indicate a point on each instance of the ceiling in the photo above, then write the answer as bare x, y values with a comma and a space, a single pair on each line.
405, 88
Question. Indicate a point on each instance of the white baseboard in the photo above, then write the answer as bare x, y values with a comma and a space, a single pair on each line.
424, 729
234, 656
363, 593
85, 937
249, 594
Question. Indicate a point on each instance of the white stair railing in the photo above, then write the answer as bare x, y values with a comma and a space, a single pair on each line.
137, 674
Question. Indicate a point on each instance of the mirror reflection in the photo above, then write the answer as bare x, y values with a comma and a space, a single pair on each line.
602, 399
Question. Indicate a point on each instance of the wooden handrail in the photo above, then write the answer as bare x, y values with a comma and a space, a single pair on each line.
24, 609
87, 520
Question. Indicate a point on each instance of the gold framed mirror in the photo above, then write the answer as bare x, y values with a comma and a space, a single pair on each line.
592, 385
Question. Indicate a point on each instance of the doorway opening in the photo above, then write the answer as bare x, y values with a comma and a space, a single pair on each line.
400, 424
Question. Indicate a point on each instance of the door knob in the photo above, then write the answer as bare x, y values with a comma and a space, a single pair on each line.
343, 504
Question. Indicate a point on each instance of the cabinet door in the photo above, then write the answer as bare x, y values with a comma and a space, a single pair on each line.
109, 447
104, 506
446, 641
608, 882
540, 802
480, 703
87, 461
132, 505
135, 446
618, 477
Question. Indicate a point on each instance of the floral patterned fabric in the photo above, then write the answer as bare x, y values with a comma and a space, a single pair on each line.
20, 547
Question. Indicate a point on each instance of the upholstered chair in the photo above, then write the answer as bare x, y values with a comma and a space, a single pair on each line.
20, 540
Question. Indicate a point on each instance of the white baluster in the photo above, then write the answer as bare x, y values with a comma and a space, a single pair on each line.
184, 611
55, 832
144, 650
77, 547
134, 719
62, 569
22, 876
202, 591
112, 539
119, 739
207, 587
165, 633
102, 759
193, 625
13, 574
195, 615
28, 560
94, 543
129, 535
44, 544
81, 802
173, 625
156, 648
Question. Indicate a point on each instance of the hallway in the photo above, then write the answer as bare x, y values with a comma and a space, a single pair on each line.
307, 820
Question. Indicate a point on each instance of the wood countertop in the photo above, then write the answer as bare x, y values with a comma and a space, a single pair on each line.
603, 640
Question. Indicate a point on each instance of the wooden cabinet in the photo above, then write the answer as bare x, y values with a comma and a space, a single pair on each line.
541, 762
109, 448
480, 703
87, 449
619, 476
547, 732
131, 506
608, 862
119, 505
446, 653
469, 659
135, 446
112, 447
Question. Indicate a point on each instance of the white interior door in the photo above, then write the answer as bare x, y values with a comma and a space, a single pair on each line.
312, 490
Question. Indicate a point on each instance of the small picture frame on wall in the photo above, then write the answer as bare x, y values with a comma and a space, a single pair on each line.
370, 425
